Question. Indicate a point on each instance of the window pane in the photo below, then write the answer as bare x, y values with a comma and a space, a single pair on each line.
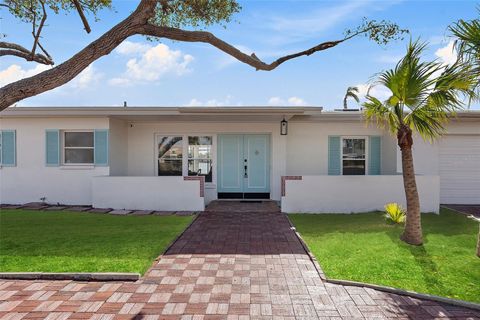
205, 140
79, 139
200, 168
200, 147
78, 155
170, 151
353, 148
353, 167
168, 167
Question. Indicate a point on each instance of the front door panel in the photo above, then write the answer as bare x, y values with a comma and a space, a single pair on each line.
243, 163
230, 163
256, 152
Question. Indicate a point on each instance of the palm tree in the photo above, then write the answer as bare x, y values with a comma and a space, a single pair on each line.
423, 97
352, 92
467, 34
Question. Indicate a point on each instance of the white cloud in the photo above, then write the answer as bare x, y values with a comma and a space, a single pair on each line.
227, 101
152, 63
129, 47
447, 54
15, 72
379, 92
88, 77
292, 101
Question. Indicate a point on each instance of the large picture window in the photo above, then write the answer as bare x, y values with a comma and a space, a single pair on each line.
200, 157
78, 147
353, 156
170, 155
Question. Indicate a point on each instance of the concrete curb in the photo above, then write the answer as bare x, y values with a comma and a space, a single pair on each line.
94, 276
413, 294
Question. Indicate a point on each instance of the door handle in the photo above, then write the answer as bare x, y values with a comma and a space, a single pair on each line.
245, 174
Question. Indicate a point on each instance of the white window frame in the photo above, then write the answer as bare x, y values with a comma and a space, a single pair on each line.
63, 132
157, 136
185, 152
211, 152
366, 153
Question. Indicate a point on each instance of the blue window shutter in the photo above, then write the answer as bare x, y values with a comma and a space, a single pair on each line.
101, 147
9, 158
52, 147
374, 155
334, 154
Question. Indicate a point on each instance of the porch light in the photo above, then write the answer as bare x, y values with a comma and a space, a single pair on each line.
283, 127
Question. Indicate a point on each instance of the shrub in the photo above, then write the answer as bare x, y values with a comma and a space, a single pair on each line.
394, 213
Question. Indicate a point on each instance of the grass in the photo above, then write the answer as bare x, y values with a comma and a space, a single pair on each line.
365, 248
36, 241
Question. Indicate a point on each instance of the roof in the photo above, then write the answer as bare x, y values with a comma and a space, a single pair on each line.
206, 114
152, 111
251, 113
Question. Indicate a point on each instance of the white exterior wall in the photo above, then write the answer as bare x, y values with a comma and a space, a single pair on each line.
31, 179
304, 151
307, 144
354, 194
426, 154
118, 153
142, 148
147, 193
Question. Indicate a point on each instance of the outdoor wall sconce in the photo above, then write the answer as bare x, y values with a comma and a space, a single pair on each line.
284, 127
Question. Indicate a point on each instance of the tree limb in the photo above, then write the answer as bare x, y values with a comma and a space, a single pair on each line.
79, 8
137, 23
252, 60
66, 71
36, 35
13, 49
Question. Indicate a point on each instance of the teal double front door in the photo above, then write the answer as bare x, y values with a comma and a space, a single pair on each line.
243, 166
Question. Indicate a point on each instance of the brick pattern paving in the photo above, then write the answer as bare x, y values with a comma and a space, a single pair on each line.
228, 265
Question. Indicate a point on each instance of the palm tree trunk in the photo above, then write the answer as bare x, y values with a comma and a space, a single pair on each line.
412, 233
345, 103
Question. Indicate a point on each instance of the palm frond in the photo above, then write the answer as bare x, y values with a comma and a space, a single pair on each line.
467, 43
374, 109
424, 94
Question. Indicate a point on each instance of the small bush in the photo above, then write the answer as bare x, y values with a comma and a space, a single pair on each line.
394, 213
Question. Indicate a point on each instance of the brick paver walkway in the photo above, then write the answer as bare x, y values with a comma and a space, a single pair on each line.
227, 265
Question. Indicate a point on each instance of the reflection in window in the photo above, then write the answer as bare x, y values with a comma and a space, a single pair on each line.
170, 153
200, 157
353, 157
78, 147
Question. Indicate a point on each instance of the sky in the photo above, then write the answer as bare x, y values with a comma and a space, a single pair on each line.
168, 73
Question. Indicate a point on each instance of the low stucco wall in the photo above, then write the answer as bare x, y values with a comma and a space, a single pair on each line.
147, 193
354, 194
64, 185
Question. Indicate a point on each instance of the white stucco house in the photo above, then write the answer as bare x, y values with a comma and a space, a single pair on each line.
169, 158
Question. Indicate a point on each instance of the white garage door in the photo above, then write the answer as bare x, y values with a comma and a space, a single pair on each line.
460, 169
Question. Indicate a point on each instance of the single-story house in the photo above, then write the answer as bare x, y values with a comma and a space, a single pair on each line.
181, 158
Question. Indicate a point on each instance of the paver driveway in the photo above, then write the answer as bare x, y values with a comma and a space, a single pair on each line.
227, 265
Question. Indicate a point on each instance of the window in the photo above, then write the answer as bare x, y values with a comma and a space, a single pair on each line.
200, 157
78, 147
353, 156
170, 156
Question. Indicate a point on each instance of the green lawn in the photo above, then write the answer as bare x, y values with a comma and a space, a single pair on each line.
365, 248
83, 242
